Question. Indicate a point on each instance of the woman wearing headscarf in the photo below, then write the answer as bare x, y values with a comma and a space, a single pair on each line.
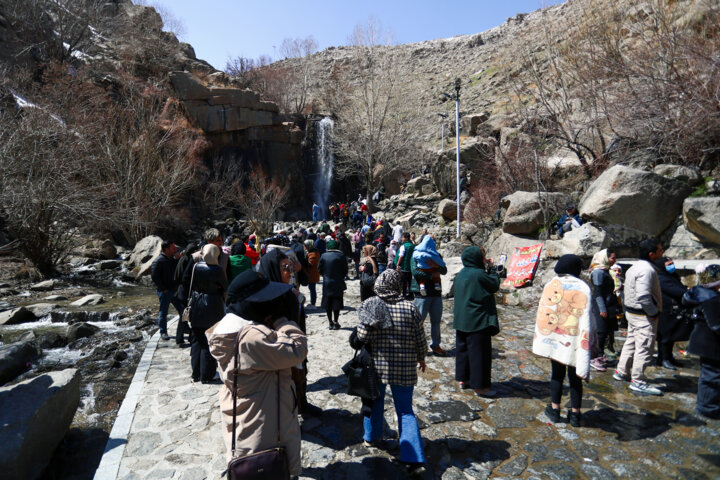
268, 345
392, 330
333, 268
185, 259
369, 265
475, 321
563, 332
672, 326
207, 288
604, 303
313, 258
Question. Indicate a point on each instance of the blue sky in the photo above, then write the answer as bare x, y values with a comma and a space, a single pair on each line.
221, 29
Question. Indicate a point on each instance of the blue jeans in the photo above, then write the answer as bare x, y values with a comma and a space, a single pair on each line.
411, 447
381, 267
433, 306
165, 300
313, 292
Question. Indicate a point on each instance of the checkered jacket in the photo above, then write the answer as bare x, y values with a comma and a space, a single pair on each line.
397, 350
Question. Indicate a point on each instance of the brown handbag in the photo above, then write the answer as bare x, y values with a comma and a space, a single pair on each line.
268, 464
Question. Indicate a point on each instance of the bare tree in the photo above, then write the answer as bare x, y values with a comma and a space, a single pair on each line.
261, 199
375, 134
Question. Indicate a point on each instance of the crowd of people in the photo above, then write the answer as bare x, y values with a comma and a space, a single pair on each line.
247, 320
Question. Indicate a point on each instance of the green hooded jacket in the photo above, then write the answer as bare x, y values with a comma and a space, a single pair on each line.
238, 264
475, 309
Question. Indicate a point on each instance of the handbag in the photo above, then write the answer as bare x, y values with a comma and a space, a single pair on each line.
361, 375
367, 280
185, 317
270, 464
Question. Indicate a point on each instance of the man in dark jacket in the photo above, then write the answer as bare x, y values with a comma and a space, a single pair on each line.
403, 263
162, 273
334, 268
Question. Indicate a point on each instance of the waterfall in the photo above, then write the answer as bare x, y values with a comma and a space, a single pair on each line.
324, 174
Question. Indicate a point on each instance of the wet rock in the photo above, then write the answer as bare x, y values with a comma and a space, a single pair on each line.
449, 411
16, 358
52, 340
109, 264
80, 330
45, 286
454, 265
35, 415
42, 309
68, 317
514, 467
93, 299
17, 316
55, 298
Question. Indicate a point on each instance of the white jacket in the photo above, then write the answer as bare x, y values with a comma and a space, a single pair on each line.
642, 288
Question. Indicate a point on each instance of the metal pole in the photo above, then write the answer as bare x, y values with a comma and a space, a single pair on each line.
457, 149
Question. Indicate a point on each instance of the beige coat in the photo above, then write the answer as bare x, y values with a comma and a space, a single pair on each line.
263, 353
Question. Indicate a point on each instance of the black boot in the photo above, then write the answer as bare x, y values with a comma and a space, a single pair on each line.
553, 414
574, 418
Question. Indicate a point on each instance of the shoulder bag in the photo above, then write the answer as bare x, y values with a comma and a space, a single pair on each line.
268, 464
185, 317
361, 375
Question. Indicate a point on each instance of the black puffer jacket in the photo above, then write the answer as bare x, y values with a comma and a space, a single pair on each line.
703, 341
672, 292
208, 294
162, 272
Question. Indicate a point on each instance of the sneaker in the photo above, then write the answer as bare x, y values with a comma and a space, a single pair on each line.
644, 388
486, 393
415, 469
552, 413
667, 364
574, 418
423, 291
596, 364
620, 377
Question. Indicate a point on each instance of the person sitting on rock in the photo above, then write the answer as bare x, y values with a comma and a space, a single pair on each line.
569, 220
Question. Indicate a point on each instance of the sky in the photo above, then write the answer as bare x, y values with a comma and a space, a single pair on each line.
224, 29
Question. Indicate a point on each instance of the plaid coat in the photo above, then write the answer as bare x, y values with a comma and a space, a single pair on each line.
397, 350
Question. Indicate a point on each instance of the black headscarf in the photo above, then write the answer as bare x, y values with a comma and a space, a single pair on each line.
569, 264
270, 265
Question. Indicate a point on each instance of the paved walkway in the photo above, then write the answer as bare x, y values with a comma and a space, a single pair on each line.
168, 427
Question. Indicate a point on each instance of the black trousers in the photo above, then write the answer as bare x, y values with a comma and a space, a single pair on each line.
406, 282
203, 364
182, 329
556, 384
473, 358
708, 395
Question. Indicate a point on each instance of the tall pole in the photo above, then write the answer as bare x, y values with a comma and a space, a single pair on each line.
457, 149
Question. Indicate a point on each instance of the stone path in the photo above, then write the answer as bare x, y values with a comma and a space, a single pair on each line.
173, 430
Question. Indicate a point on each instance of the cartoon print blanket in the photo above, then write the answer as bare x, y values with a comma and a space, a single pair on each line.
563, 329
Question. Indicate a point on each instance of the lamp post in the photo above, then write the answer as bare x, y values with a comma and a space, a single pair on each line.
456, 97
443, 116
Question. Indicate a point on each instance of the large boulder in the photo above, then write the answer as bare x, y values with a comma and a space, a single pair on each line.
45, 286
701, 216
640, 200
16, 316
80, 330
42, 309
584, 242
35, 415
524, 214
500, 243
447, 209
684, 245
15, 359
689, 175
143, 255
416, 184
454, 265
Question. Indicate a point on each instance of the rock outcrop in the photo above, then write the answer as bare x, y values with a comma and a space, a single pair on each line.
16, 316
701, 216
35, 415
143, 255
635, 199
524, 214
